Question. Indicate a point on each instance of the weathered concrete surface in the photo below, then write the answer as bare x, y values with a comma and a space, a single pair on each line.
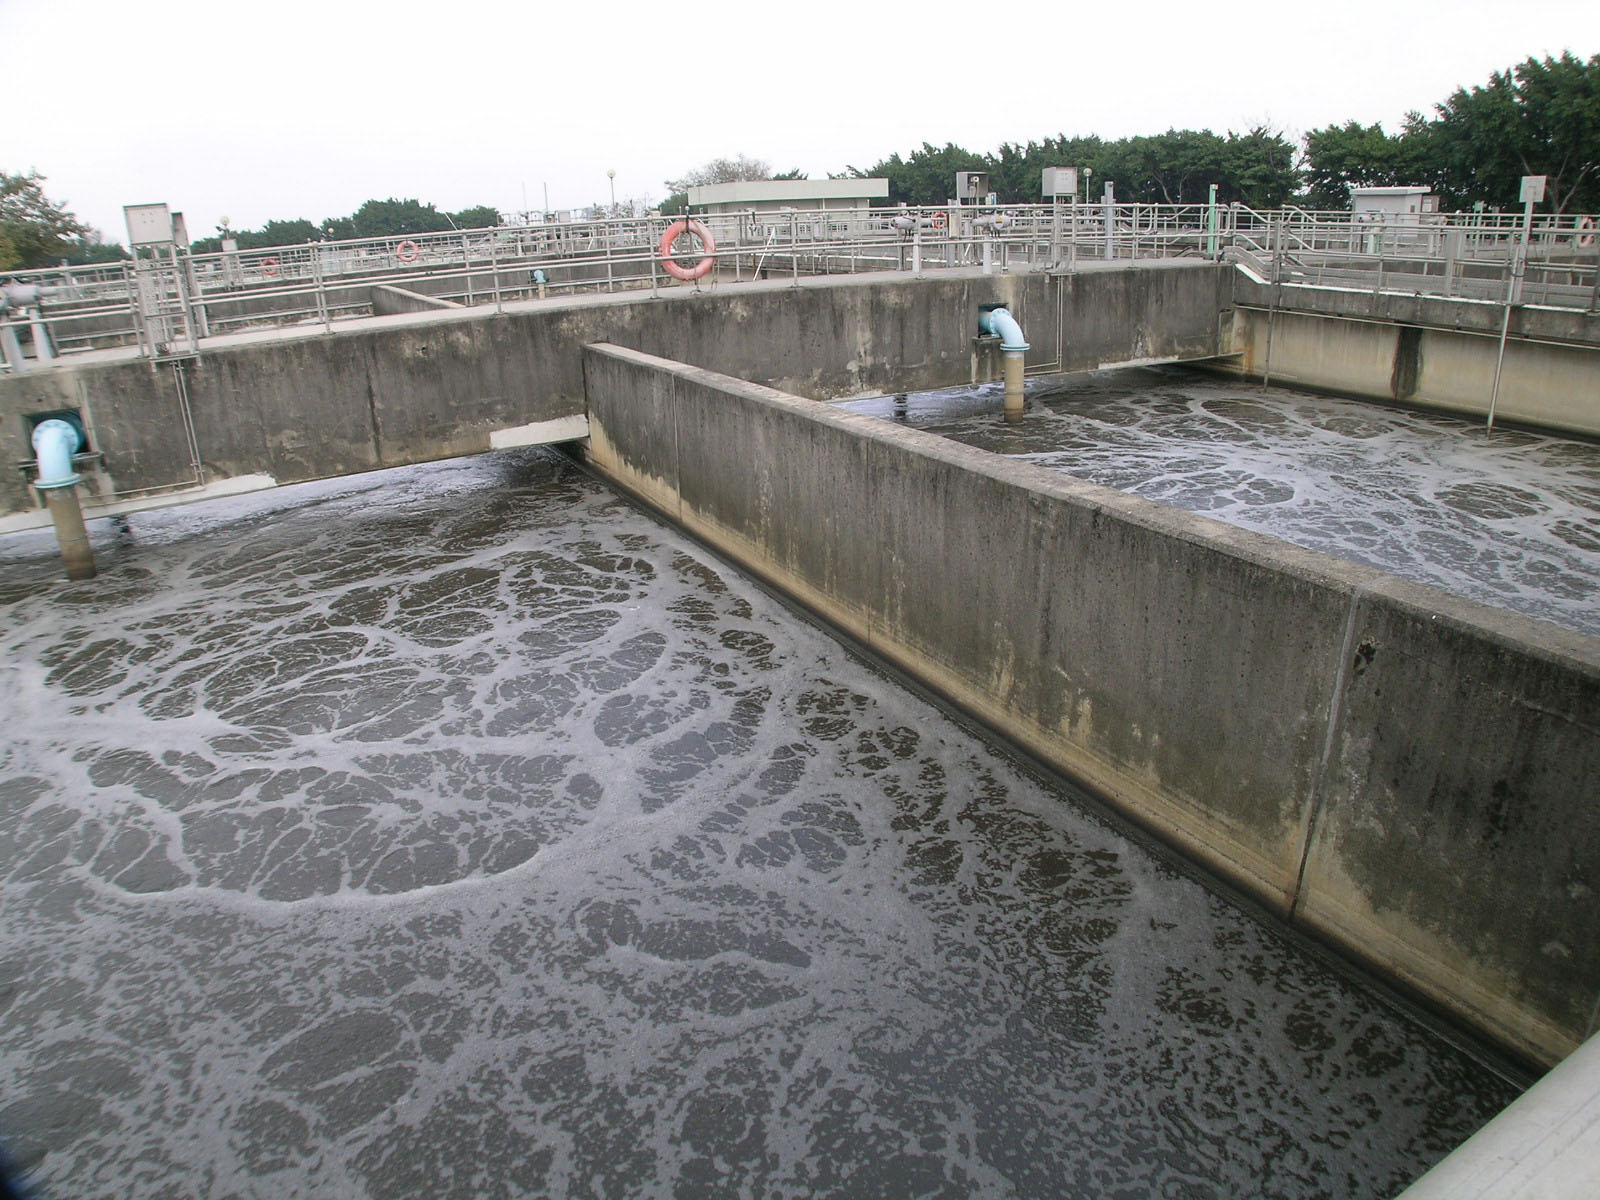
1427, 351
303, 404
1413, 776
388, 300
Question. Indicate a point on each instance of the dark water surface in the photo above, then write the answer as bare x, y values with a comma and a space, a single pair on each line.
1509, 518
460, 831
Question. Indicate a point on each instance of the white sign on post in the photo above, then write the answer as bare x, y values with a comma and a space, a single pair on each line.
1532, 189
148, 224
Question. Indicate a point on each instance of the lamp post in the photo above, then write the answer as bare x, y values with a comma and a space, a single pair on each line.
612, 176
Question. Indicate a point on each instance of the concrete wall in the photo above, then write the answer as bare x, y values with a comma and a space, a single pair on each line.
1413, 776
387, 300
1429, 352
300, 404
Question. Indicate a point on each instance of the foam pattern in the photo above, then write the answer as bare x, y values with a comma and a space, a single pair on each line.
460, 831
1509, 518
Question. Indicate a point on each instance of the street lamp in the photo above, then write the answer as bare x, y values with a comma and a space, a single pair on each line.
612, 176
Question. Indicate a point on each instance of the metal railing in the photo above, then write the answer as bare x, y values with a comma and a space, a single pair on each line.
1464, 256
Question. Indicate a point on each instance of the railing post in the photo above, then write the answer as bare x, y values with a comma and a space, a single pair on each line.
322, 292
1109, 201
494, 273
1211, 224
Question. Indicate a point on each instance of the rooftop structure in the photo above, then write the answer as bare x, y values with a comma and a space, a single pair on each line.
770, 195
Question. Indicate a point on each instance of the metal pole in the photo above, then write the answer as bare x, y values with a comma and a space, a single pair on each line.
1211, 224
1275, 238
1519, 254
494, 269
1110, 204
322, 293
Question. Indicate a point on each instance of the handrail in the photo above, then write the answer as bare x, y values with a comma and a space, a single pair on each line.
1461, 255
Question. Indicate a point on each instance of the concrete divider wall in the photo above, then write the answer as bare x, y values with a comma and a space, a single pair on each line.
388, 300
1415, 777
305, 405
1550, 384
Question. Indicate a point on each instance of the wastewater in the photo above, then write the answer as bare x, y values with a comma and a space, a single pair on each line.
462, 831
1509, 517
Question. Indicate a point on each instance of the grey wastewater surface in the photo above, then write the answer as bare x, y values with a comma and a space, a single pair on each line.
1509, 518
460, 831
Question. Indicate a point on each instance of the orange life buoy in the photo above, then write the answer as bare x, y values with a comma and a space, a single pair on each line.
269, 266
708, 249
1585, 231
407, 251
939, 220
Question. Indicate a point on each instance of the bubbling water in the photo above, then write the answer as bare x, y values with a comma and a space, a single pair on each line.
1509, 518
461, 831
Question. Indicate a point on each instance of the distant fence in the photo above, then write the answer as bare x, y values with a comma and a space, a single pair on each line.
170, 308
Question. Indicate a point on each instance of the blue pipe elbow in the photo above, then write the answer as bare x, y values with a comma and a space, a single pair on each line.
1000, 322
54, 443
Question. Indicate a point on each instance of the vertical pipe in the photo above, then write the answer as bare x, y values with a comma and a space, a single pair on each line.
1211, 224
1014, 366
54, 443
66, 513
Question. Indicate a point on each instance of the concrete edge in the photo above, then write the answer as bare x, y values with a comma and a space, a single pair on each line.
1210, 843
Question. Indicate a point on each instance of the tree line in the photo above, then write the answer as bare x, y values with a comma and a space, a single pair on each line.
374, 219
1540, 117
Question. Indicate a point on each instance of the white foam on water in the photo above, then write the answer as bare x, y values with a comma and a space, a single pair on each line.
1509, 518
461, 831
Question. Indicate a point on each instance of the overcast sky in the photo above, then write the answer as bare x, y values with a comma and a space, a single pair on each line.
306, 108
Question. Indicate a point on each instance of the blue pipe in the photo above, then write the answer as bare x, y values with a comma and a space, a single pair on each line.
55, 442
999, 321
539, 276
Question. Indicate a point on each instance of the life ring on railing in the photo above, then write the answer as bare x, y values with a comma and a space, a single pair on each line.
407, 251
939, 220
708, 243
269, 266
1586, 231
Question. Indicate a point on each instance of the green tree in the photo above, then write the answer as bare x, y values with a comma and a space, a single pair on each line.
395, 218
926, 177
482, 216
278, 233
1352, 155
35, 231
1258, 169
90, 249
1542, 117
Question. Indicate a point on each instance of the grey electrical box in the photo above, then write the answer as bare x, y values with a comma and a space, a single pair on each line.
148, 224
971, 186
1060, 181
